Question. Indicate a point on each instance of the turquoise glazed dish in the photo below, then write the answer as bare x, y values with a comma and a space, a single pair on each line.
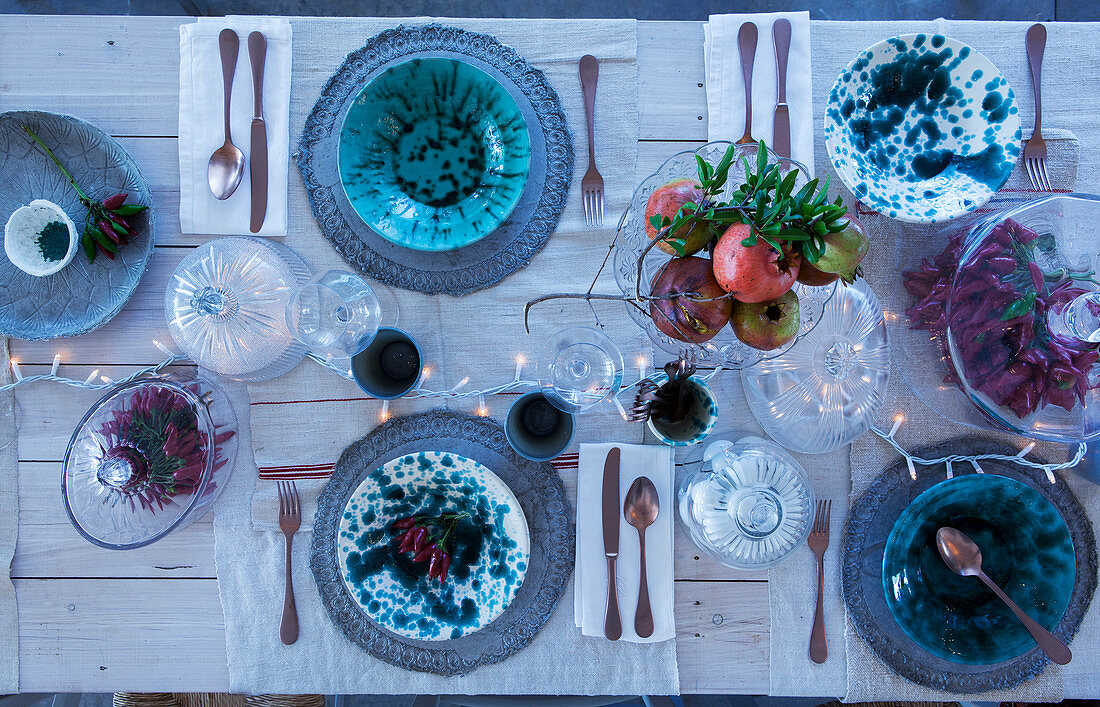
490, 547
1026, 549
434, 154
922, 128
696, 426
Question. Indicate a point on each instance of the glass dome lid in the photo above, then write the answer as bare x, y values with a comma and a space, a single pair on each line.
1018, 323
148, 458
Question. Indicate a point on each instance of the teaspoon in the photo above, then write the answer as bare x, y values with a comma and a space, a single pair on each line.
746, 43
227, 163
964, 557
641, 508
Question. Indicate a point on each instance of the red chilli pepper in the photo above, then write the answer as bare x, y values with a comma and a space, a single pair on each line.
425, 554
444, 566
419, 539
403, 523
108, 231
115, 201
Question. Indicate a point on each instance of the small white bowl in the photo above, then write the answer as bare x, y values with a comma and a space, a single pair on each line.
21, 237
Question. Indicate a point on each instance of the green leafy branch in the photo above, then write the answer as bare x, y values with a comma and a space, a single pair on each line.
766, 201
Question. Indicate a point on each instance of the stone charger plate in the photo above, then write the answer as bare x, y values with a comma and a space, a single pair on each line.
82, 295
512, 244
542, 499
870, 521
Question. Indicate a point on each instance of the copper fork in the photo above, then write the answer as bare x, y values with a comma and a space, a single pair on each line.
818, 542
592, 181
290, 519
1035, 149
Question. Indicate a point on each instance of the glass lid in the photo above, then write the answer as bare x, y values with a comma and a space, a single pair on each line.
141, 460
226, 307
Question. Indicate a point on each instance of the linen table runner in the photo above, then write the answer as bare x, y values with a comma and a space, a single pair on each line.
923, 427
302, 421
9, 520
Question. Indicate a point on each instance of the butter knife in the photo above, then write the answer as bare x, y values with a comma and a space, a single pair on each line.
257, 54
612, 624
781, 123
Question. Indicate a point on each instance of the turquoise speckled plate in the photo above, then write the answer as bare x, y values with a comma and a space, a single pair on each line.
922, 128
1026, 549
490, 548
434, 154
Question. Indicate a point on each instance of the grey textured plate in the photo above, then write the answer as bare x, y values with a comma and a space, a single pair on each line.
869, 522
488, 261
83, 295
549, 520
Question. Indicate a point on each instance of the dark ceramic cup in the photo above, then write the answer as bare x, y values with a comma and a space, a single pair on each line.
536, 429
390, 366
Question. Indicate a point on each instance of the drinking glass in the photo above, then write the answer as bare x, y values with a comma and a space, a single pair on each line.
581, 368
336, 313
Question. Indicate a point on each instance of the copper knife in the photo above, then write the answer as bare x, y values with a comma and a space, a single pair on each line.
781, 122
257, 157
612, 624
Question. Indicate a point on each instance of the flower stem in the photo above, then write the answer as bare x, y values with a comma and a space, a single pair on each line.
80, 192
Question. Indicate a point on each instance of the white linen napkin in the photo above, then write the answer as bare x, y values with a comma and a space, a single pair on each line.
726, 85
201, 130
590, 595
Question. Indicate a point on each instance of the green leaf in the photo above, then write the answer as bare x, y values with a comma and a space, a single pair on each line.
655, 221
1019, 308
806, 190
761, 157
787, 184
704, 168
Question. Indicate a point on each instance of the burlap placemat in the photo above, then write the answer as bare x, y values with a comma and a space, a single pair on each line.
868, 677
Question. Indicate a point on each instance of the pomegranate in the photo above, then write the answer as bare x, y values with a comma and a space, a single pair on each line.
666, 201
809, 275
691, 319
766, 325
756, 273
844, 251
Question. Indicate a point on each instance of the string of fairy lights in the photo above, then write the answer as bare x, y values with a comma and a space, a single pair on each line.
97, 381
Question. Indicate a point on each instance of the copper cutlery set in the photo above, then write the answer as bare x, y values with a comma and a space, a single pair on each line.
227, 163
781, 120
640, 508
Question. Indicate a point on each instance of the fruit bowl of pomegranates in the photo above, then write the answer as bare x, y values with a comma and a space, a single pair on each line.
733, 251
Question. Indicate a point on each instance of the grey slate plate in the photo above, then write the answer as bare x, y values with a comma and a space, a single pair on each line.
870, 519
83, 295
488, 261
541, 495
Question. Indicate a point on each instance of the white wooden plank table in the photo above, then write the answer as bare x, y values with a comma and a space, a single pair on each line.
150, 619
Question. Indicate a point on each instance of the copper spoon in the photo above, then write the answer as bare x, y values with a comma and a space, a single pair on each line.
227, 163
964, 557
746, 42
641, 508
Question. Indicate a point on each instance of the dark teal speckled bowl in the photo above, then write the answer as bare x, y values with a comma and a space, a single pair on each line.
434, 154
1026, 549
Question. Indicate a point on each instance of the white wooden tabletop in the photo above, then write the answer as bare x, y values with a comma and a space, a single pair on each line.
95, 620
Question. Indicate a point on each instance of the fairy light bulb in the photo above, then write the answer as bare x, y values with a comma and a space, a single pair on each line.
385, 413
91, 377
16, 370
898, 419
482, 409
622, 411
520, 360
912, 468
55, 364
167, 351
425, 372
1024, 452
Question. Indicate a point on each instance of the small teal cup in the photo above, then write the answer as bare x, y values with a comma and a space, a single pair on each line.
390, 366
696, 426
536, 429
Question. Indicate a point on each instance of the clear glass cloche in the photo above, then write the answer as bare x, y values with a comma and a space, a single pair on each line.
1011, 305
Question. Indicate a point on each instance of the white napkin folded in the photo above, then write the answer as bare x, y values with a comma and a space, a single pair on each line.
590, 578
726, 84
201, 129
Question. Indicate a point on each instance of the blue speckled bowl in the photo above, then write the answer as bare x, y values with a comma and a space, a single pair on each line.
490, 547
434, 154
1026, 549
922, 128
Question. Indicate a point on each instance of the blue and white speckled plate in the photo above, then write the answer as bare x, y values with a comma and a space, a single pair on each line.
490, 549
922, 128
